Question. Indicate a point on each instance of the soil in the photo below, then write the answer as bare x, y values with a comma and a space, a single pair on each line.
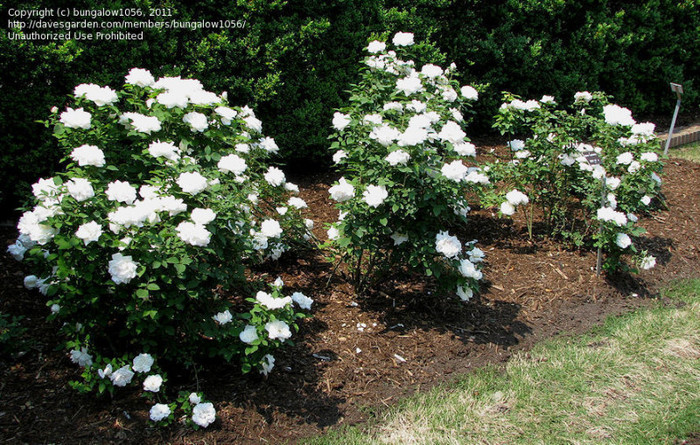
340, 372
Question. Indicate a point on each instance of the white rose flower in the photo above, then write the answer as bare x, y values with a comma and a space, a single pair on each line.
142, 123
650, 157
448, 245
516, 197
227, 114
76, 118
253, 123
339, 155
204, 414
343, 191
625, 158
121, 191
469, 270
398, 106
375, 195
197, 121
469, 92
152, 383
616, 115
267, 364
648, 262
223, 317
340, 121
399, 238
297, 202
452, 132
507, 208
194, 398
376, 46
646, 200
333, 233
232, 164
172, 99
612, 182
409, 85
465, 148
192, 182
385, 134
413, 135
373, 119
449, 94
455, 171
634, 167
271, 228
403, 39
583, 96
88, 155
203, 216
81, 357
249, 334
271, 302
166, 150
610, 214
398, 157
302, 300
143, 362
275, 177
464, 293
548, 100
122, 268
278, 330
159, 411
89, 232
80, 189
269, 145
140, 77
99, 95
623, 240
122, 376
105, 372
431, 71
31, 282
193, 234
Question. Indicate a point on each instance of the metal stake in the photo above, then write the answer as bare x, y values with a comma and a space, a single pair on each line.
599, 260
678, 89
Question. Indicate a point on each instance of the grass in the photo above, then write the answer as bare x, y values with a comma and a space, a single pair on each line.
634, 380
690, 152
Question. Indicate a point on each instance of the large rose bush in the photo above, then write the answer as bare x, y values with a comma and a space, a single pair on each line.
141, 244
591, 171
406, 164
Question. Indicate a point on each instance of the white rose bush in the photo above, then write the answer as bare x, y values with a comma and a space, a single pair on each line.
559, 161
140, 245
407, 165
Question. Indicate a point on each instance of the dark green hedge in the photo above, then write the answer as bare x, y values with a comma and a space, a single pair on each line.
295, 60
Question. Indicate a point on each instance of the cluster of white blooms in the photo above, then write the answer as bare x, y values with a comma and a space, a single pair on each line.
518, 104
514, 198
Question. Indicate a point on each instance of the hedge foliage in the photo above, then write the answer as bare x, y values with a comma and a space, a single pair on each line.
294, 61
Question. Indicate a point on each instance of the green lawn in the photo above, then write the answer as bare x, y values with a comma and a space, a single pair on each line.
634, 380
689, 151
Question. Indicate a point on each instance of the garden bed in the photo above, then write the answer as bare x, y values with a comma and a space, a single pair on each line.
355, 355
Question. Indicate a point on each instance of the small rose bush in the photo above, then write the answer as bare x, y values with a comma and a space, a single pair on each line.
407, 165
166, 198
560, 161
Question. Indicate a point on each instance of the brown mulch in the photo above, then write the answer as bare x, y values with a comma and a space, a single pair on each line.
337, 374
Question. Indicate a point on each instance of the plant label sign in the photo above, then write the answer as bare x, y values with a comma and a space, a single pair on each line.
592, 158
